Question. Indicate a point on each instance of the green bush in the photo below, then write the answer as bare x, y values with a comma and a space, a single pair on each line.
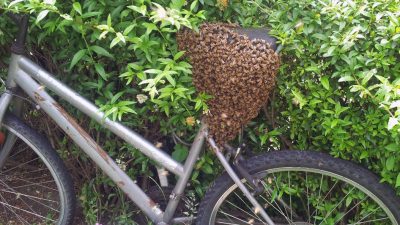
122, 55
337, 89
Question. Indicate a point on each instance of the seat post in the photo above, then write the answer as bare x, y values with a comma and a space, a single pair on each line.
18, 47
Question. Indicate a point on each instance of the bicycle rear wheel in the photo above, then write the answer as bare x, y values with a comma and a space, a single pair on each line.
303, 188
35, 187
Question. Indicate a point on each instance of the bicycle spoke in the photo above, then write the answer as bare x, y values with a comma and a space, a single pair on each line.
20, 150
26, 211
257, 218
369, 221
284, 206
5, 205
330, 190
279, 210
308, 200
37, 184
28, 196
35, 187
358, 203
219, 221
18, 196
20, 174
330, 212
243, 201
22, 164
234, 217
290, 199
300, 195
366, 216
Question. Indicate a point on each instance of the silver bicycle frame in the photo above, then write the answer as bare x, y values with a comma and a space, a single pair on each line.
27, 75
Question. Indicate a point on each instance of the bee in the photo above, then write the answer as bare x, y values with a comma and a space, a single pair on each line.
238, 72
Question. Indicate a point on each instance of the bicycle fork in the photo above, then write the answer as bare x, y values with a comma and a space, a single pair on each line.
10, 138
258, 209
5, 99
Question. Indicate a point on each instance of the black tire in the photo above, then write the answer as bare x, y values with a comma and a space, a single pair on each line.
222, 203
35, 186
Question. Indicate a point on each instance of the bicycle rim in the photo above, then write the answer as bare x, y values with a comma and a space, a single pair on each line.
304, 196
29, 187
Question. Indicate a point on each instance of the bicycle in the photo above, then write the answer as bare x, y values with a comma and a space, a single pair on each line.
275, 188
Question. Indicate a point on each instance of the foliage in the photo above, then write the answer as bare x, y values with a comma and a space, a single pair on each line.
123, 55
337, 89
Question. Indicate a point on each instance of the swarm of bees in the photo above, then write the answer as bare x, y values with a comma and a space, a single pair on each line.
238, 72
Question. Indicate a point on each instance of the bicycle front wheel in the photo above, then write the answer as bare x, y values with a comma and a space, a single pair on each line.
35, 187
303, 188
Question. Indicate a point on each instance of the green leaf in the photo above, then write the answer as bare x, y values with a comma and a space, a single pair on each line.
392, 122
178, 55
299, 98
121, 37
325, 82
364, 155
398, 180
180, 153
329, 52
14, 3
153, 71
109, 21
393, 147
90, 14
206, 168
129, 29
177, 4
77, 7
346, 78
390, 163
368, 75
113, 111
355, 88
66, 17
142, 9
101, 51
320, 36
193, 5
115, 41
77, 57
42, 15
49, 2
100, 70
170, 79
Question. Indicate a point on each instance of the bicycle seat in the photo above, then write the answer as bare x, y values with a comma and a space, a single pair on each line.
258, 33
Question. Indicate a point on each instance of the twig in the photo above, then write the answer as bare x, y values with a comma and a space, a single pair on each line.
271, 121
176, 139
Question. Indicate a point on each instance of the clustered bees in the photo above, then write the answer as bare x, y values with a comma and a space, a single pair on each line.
238, 72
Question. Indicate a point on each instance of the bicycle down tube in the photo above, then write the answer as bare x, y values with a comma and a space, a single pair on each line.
22, 71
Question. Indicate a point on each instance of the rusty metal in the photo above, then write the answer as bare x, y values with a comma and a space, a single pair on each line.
93, 112
89, 146
23, 76
27, 75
